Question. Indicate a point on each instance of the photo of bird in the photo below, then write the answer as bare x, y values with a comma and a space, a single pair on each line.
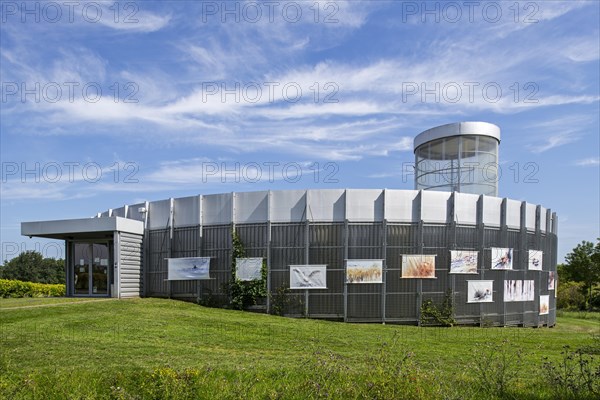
481, 295
480, 291
502, 258
307, 277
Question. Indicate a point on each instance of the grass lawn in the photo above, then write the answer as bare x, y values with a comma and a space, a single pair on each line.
40, 301
155, 348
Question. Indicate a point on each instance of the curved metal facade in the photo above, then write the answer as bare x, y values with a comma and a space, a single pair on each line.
460, 157
331, 226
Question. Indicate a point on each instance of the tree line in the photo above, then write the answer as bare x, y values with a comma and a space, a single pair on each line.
31, 266
579, 278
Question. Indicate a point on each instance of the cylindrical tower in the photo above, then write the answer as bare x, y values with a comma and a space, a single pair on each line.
460, 157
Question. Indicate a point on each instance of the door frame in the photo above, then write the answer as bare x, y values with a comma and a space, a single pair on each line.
71, 267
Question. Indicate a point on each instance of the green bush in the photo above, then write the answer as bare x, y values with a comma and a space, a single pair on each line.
243, 294
570, 296
14, 288
595, 298
433, 314
280, 300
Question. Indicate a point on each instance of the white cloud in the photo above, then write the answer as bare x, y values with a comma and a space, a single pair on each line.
132, 19
552, 133
549, 10
555, 140
588, 162
583, 49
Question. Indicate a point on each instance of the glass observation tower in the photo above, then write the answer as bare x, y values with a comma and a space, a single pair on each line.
461, 157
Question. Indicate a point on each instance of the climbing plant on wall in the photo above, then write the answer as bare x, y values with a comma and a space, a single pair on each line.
243, 294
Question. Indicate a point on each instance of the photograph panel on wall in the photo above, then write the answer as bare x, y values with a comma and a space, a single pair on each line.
502, 258
188, 268
248, 269
480, 291
544, 304
519, 290
535, 260
308, 277
364, 271
551, 280
418, 266
463, 262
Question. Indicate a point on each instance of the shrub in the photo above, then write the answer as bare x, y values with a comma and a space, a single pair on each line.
432, 314
576, 376
595, 298
570, 296
14, 288
243, 294
207, 298
280, 300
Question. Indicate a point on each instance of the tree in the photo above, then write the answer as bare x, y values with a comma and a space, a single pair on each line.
583, 265
31, 266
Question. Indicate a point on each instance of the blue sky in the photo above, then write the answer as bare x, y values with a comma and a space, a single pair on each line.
106, 104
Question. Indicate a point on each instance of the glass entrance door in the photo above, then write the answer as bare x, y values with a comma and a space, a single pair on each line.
90, 269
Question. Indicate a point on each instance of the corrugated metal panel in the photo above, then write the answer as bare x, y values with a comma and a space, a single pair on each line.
217, 209
492, 238
492, 207
119, 212
288, 206
364, 240
365, 300
543, 219
466, 238
186, 211
288, 246
513, 213
186, 243
364, 205
465, 208
159, 248
133, 212
401, 294
326, 205
159, 214
326, 246
254, 238
434, 206
251, 207
216, 244
402, 205
130, 265
530, 216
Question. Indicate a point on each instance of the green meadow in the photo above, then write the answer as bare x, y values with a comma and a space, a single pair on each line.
166, 349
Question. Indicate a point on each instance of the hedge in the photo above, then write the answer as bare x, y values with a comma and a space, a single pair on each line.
14, 288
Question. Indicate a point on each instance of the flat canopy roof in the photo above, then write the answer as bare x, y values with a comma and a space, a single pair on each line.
457, 129
83, 227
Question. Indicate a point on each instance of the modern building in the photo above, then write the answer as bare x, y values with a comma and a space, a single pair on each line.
495, 257
461, 157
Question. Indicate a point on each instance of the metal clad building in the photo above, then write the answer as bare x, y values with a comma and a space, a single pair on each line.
460, 157
123, 252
